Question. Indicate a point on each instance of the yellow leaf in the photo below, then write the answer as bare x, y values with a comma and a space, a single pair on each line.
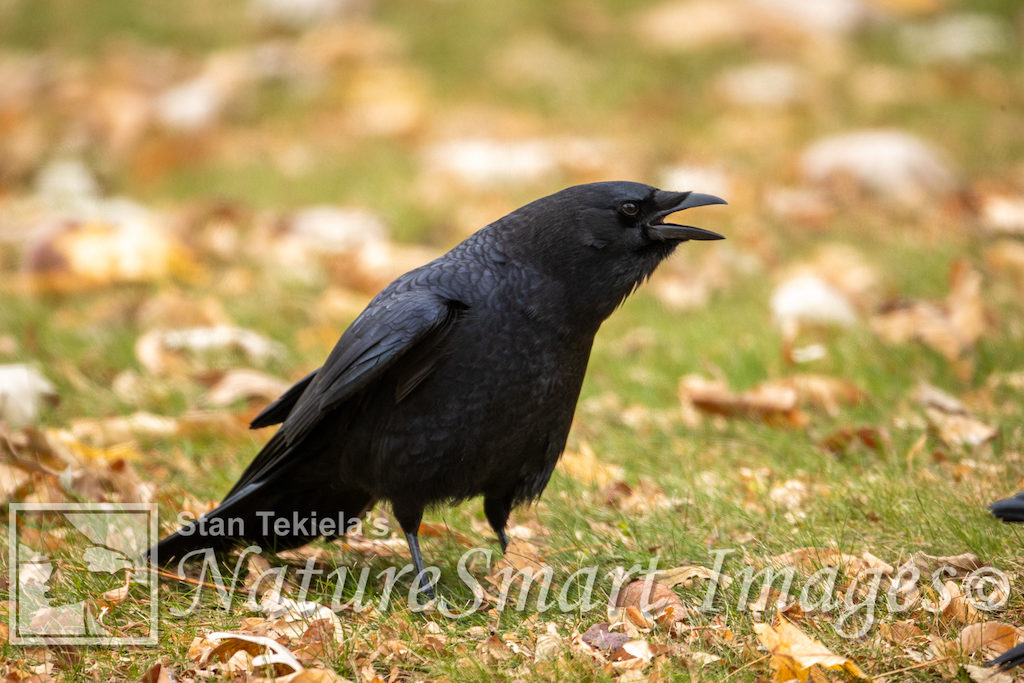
794, 654
584, 466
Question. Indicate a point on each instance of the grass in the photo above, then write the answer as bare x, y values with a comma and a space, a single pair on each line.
904, 498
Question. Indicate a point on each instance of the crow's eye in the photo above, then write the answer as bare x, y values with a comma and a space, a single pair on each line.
629, 208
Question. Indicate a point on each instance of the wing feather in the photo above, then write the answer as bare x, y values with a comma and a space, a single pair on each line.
391, 327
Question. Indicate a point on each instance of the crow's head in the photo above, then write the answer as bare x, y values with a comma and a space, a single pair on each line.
622, 216
603, 239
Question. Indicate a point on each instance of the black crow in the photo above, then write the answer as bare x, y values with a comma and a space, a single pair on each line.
460, 378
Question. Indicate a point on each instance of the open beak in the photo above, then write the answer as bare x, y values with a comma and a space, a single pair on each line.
671, 202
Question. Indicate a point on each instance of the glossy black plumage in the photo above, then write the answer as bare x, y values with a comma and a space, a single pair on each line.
461, 377
1009, 509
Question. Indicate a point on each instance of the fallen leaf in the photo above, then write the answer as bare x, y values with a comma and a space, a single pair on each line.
651, 600
109, 431
121, 241
158, 673
634, 654
960, 430
549, 645
601, 637
582, 464
900, 631
773, 405
23, 393
892, 164
986, 674
13, 482
993, 635
685, 576
436, 530
961, 564
951, 327
306, 676
841, 440
642, 498
230, 644
163, 351
822, 392
794, 655
244, 384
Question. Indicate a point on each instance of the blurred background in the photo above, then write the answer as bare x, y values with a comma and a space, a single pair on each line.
238, 178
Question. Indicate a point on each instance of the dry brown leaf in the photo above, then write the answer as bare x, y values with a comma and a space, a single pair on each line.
164, 352
952, 420
158, 673
772, 404
584, 466
642, 498
385, 547
839, 441
986, 674
647, 600
126, 245
226, 647
110, 431
549, 645
1005, 258
794, 654
959, 610
960, 430
13, 482
113, 597
962, 564
951, 327
992, 635
900, 631
685, 576
244, 384
438, 530
634, 654
822, 391
813, 558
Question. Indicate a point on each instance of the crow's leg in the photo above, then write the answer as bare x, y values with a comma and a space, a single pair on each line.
497, 511
410, 522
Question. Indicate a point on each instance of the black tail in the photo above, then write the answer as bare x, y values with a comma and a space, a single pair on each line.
278, 411
284, 499
1009, 509
275, 515
1009, 659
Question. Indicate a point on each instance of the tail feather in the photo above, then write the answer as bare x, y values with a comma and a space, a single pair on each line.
1009, 659
279, 410
276, 515
1009, 509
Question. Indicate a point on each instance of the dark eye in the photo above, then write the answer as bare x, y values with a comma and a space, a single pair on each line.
629, 208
